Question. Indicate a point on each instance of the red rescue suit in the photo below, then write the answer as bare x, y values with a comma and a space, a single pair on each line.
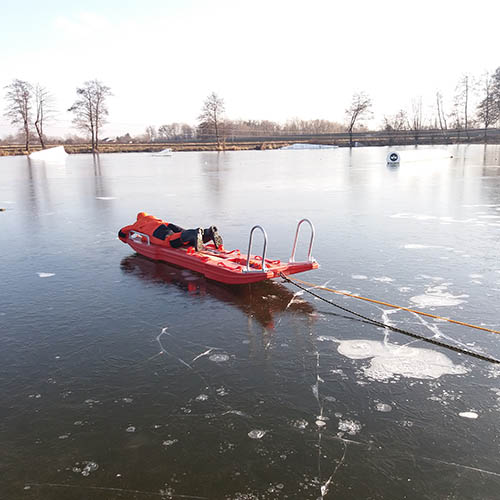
160, 232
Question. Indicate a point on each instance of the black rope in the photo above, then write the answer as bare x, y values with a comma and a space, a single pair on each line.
394, 328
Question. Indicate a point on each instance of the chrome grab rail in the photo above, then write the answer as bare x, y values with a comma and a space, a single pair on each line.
248, 270
310, 258
133, 233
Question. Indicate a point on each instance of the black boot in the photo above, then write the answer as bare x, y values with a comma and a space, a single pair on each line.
212, 234
198, 243
193, 237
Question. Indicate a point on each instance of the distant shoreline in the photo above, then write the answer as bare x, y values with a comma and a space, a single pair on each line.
19, 150
377, 138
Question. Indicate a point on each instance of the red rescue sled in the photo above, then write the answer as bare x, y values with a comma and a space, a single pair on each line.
220, 265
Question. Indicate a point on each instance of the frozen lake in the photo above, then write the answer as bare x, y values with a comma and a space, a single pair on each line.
124, 378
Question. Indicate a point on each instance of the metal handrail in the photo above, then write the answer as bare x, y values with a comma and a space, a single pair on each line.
133, 232
248, 270
310, 258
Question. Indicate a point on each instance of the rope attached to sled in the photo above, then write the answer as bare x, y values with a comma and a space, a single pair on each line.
460, 350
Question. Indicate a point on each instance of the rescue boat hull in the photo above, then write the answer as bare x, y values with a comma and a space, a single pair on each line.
218, 265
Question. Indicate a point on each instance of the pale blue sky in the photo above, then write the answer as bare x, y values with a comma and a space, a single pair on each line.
268, 59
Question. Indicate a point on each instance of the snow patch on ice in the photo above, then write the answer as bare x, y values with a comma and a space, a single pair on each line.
257, 434
468, 414
383, 279
218, 358
438, 296
417, 246
352, 427
383, 407
389, 361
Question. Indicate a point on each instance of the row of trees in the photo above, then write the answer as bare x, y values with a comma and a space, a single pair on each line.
30, 106
476, 102
486, 113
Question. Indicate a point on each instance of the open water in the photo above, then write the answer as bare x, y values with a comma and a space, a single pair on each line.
123, 378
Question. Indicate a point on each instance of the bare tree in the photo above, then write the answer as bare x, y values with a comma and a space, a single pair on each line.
43, 100
397, 122
462, 99
488, 110
19, 103
90, 109
359, 109
211, 116
416, 120
151, 134
440, 112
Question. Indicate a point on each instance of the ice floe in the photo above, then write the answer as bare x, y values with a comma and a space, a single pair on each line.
468, 414
45, 275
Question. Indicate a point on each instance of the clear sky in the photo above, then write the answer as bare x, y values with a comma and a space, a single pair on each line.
268, 59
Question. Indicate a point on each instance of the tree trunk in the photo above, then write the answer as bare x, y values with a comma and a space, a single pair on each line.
39, 131
27, 134
217, 134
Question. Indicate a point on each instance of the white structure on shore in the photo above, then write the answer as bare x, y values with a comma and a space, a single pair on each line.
301, 145
57, 154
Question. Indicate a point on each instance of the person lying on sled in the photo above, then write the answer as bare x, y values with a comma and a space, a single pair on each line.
170, 235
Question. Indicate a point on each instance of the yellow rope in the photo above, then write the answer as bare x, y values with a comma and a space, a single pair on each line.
396, 307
